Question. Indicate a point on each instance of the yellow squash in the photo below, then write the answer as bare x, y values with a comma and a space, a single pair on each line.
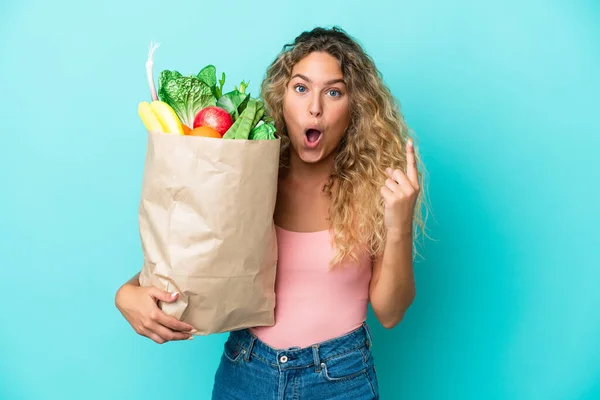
148, 117
159, 116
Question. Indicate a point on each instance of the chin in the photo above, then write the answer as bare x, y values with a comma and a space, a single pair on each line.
310, 158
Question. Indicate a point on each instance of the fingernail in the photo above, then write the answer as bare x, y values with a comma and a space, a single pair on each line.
410, 142
194, 331
173, 295
190, 338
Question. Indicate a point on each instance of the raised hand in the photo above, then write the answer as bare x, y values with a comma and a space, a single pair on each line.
400, 194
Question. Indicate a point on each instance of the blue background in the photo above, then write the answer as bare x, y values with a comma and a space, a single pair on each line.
503, 96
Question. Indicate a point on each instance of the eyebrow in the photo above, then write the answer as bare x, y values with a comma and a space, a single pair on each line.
331, 82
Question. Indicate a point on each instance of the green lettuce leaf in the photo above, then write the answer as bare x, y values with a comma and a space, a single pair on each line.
234, 102
187, 95
263, 131
208, 75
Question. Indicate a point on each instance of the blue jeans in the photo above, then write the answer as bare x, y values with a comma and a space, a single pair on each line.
340, 368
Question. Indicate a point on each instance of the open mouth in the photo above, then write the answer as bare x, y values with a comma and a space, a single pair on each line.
313, 136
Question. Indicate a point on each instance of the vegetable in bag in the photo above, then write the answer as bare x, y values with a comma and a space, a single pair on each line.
184, 103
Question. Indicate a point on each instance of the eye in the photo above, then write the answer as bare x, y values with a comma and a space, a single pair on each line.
334, 93
300, 88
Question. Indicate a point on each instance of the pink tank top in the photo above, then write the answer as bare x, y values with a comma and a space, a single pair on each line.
314, 303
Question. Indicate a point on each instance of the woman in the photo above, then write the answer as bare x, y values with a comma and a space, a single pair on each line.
348, 190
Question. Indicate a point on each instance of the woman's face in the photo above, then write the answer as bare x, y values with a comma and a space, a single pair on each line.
316, 107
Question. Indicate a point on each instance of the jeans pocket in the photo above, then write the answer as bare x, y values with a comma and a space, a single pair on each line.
344, 367
233, 351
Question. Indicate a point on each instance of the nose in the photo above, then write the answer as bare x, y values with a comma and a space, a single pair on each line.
315, 107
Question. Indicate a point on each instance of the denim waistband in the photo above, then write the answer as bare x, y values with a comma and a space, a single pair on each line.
296, 357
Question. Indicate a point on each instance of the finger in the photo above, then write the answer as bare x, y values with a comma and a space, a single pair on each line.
403, 181
169, 335
153, 336
392, 186
173, 323
162, 295
411, 164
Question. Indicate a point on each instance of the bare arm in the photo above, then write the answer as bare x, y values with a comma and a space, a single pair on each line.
135, 280
392, 288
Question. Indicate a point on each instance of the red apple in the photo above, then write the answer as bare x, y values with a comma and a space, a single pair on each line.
215, 117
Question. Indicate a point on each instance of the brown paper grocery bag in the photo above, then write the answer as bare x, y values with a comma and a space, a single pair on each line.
207, 231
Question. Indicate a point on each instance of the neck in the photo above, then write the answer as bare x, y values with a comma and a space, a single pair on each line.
310, 172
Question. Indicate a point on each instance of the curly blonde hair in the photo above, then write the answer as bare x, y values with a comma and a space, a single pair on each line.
375, 139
